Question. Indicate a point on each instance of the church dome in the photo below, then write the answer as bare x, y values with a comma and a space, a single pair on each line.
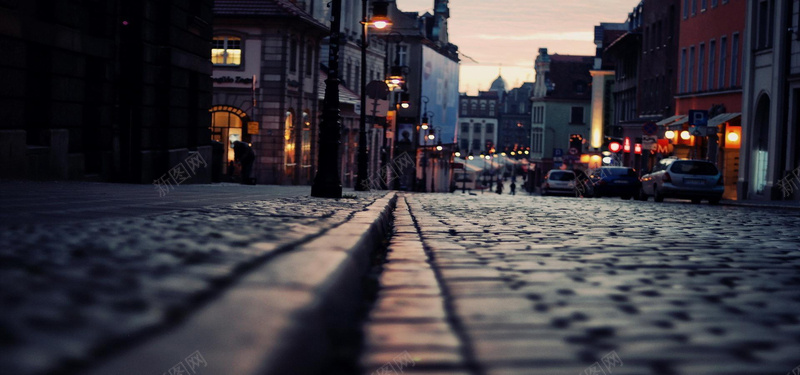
498, 85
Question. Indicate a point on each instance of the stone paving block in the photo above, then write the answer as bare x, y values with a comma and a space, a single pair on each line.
435, 361
398, 307
401, 335
418, 278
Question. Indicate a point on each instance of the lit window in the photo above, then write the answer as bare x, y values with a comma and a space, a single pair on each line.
226, 50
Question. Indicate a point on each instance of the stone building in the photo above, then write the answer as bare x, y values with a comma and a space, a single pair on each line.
561, 102
105, 90
514, 122
478, 123
266, 86
770, 143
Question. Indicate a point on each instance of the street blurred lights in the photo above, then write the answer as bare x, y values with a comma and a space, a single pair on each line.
669, 134
439, 147
404, 101
733, 137
471, 157
685, 135
380, 14
457, 154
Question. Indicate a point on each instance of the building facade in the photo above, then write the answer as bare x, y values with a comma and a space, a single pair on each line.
710, 78
108, 91
478, 123
560, 110
770, 143
266, 72
514, 123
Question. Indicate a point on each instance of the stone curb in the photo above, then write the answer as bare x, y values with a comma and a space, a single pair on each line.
280, 318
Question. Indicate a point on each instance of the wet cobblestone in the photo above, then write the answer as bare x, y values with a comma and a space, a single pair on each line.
75, 289
549, 285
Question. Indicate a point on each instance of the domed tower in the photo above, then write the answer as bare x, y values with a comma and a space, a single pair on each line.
499, 86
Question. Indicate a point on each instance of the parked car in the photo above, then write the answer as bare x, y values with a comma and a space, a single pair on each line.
559, 181
613, 182
687, 179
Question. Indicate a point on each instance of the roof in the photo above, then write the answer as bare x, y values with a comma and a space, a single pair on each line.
263, 8
566, 71
723, 118
571, 58
345, 94
670, 120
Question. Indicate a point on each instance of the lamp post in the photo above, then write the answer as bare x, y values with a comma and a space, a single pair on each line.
432, 136
379, 21
464, 175
424, 126
327, 183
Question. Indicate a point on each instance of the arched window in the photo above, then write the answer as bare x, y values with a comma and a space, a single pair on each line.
226, 50
289, 140
226, 128
761, 139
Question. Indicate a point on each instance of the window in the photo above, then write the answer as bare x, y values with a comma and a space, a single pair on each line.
293, 56
691, 81
682, 87
714, 3
491, 108
685, 9
489, 128
703, 5
537, 141
464, 146
402, 55
476, 144
309, 59
464, 107
476, 129
694, 7
701, 66
464, 128
712, 64
766, 21
723, 55
735, 60
226, 50
576, 117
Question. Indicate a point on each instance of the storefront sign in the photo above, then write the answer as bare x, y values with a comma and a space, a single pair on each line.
252, 127
229, 79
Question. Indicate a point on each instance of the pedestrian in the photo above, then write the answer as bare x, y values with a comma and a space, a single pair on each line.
499, 187
244, 154
513, 188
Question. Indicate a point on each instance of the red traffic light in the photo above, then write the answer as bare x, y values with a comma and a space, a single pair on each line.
614, 146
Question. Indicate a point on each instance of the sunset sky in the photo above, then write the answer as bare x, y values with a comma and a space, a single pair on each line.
510, 33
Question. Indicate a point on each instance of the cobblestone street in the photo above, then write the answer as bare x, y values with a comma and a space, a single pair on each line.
560, 285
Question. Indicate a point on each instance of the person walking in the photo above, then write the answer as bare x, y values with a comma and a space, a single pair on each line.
499, 186
513, 188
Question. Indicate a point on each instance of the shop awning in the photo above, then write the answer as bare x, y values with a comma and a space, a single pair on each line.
723, 118
670, 120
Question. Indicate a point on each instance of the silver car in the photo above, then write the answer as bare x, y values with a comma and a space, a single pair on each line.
686, 179
559, 181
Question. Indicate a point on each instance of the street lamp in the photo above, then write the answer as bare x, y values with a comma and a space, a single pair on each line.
327, 183
379, 20
431, 136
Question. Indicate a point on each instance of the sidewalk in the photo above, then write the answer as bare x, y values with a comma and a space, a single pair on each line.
231, 279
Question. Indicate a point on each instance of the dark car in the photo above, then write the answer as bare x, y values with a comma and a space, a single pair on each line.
686, 179
613, 182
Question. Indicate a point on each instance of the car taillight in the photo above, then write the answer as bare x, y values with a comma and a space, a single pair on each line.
666, 178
